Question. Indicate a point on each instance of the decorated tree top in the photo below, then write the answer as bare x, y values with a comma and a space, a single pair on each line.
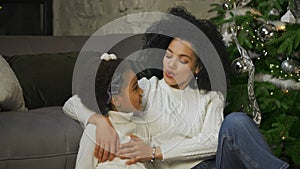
268, 30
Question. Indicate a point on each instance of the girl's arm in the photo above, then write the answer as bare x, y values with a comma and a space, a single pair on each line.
106, 147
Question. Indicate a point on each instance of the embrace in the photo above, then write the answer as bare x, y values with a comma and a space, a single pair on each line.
168, 122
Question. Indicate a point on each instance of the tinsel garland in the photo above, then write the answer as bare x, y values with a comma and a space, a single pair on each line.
281, 83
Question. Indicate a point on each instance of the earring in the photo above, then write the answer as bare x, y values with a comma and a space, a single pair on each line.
196, 79
196, 76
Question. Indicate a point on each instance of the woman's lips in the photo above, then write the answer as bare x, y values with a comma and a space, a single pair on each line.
169, 74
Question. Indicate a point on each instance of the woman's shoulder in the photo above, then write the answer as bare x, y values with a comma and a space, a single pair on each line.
212, 95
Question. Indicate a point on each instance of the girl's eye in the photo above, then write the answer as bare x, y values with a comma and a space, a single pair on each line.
135, 88
168, 56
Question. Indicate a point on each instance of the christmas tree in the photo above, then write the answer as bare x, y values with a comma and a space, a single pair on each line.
264, 36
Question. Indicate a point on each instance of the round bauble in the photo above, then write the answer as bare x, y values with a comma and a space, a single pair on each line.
241, 65
290, 66
266, 31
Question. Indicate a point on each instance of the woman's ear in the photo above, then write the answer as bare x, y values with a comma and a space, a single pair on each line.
198, 69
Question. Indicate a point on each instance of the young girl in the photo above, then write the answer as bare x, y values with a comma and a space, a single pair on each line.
119, 96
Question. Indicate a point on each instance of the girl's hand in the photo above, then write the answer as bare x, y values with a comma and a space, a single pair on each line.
107, 139
136, 150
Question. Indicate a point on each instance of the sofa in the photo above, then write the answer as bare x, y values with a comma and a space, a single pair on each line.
41, 135
34, 131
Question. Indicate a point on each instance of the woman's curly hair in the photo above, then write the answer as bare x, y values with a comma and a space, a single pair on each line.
162, 41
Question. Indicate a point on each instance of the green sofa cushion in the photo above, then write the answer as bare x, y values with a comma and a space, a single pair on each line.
46, 79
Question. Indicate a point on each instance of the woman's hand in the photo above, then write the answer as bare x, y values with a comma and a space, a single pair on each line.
107, 139
136, 150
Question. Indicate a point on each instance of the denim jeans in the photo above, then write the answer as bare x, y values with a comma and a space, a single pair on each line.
241, 145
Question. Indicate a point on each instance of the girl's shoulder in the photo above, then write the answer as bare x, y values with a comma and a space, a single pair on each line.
152, 79
145, 83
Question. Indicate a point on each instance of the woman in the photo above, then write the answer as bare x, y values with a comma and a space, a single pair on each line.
200, 141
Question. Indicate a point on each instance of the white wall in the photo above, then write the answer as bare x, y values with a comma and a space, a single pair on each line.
84, 17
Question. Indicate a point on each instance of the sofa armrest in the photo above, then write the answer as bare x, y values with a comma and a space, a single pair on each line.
43, 138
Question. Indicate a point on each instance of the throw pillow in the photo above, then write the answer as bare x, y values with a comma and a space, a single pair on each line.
11, 94
46, 79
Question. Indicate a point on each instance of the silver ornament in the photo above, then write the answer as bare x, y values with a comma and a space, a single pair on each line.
274, 12
226, 6
241, 65
266, 31
244, 2
288, 17
290, 66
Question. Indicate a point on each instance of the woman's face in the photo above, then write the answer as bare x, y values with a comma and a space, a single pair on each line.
130, 99
180, 64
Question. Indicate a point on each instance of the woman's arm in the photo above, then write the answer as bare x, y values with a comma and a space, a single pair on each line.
138, 151
202, 145
75, 109
106, 147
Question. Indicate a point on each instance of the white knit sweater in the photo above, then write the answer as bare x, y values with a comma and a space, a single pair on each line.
184, 123
123, 123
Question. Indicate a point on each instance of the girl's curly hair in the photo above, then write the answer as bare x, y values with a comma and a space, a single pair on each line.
109, 81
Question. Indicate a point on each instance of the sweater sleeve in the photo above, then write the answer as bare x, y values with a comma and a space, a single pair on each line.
205, 143
75, 109
146, 85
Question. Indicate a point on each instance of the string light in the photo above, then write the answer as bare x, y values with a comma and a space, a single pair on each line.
285, 91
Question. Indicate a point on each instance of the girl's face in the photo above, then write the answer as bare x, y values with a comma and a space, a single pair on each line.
180, 64
130, 99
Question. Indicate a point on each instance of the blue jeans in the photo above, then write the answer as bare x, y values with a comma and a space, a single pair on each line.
241, 145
